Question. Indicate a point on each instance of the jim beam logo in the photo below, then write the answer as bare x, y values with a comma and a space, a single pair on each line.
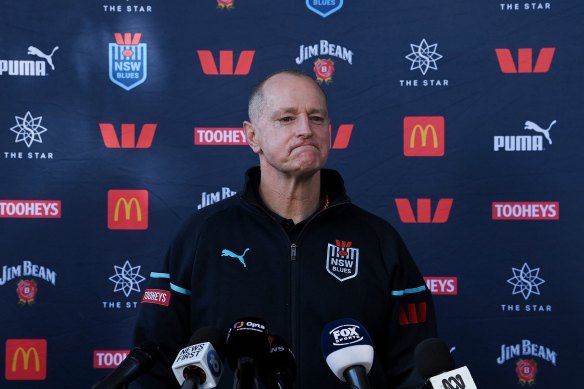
526, 365
324, 68
342, 260
27, 287
128, 60
214, 197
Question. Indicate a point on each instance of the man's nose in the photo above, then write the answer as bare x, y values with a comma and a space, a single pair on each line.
303, 128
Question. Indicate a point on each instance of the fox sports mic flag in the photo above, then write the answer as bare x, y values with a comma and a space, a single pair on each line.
345, 343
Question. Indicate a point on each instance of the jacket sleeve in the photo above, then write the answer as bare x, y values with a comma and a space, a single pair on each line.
163, 317
410, 318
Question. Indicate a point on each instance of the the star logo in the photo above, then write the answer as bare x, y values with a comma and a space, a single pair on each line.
28, 129
526, 281
423, 56
127, 278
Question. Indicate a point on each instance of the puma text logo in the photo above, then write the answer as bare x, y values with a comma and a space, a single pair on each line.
228, 253
532, 126
34, 51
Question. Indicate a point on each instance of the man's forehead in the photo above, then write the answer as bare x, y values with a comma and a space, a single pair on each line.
289, 92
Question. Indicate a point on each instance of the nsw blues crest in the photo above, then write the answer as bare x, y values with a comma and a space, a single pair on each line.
127, 60
342, 260
324, 7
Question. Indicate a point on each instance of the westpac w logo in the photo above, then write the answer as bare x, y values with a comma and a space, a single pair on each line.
406, 214
128, 133
525, 60
343, 136
127, 60
412, 313
424, 136
226, 62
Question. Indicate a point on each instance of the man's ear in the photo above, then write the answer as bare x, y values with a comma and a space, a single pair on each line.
250, 134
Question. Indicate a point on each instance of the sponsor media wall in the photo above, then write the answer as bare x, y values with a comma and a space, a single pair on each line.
459, 122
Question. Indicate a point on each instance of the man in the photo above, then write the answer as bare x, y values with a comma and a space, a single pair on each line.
291, 249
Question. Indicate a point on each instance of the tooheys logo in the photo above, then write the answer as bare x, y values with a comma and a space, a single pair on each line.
128, 60
156, 296
30, 209
442, 285
226, 63
127, 209
424, 214
235, 136
128, 135
424, 136
413, 313
26, 359
524, 62
529, 210
108, 359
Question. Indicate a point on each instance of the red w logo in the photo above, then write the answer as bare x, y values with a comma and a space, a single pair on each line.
110, 139
343, 136
412, 314
406, 214
525, 60
226, 63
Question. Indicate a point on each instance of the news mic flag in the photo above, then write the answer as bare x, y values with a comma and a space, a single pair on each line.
201, 358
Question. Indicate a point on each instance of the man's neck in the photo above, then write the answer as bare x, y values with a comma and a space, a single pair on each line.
291, 198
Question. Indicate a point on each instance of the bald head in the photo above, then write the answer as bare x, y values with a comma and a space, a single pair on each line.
257, 99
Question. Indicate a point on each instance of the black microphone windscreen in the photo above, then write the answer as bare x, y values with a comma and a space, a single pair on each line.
247, 337
433, 357
279, 364
211, 335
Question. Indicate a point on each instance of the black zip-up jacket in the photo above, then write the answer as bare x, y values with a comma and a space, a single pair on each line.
234, 259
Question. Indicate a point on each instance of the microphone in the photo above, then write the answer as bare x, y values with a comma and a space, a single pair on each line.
278, 369
139, 361
436, 365
348, 351
199, 364
247, 344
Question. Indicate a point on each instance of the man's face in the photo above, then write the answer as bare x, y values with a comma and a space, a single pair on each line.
291, 134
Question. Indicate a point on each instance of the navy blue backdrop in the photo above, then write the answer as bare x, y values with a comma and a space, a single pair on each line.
457, 121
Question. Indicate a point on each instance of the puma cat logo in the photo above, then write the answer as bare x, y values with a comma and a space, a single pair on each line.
229, 253
534, 127
49, 58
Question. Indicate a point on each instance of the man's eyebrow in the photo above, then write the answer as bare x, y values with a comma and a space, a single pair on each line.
282, 111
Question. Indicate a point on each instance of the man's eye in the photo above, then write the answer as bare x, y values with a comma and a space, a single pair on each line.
317, 119
286, 119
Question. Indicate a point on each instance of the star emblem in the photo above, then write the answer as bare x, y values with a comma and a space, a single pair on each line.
127, 278
526, 281
28, 129
423, 56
